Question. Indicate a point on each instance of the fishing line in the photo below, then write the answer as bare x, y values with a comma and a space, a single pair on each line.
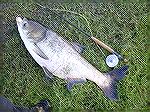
111, 59
75, 13
67, 21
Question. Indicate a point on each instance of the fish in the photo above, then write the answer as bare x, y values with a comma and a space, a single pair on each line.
58, 57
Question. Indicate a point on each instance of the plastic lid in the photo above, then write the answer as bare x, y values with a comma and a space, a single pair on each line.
112, 60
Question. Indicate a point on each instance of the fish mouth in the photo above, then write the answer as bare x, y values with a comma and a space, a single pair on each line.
19, 19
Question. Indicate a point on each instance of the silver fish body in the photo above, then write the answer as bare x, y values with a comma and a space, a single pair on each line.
58, 57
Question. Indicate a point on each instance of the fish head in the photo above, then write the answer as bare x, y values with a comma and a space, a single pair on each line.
29, 29
23, 24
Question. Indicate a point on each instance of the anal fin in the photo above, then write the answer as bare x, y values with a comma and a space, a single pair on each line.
73, 81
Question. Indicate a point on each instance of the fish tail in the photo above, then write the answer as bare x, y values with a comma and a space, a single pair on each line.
110, 90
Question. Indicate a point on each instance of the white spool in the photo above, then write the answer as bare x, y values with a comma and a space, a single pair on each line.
112, 60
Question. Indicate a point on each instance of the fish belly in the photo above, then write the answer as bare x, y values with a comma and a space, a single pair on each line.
64, 61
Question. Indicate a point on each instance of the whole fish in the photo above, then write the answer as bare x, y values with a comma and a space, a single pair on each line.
62, 59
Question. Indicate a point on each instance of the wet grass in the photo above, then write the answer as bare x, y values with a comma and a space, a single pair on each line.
123, 26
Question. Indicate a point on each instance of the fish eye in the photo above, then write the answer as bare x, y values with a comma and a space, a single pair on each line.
25, 25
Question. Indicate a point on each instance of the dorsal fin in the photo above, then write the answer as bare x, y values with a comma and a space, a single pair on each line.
79, 48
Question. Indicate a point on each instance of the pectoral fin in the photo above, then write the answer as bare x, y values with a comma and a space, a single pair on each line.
48, 74
39, 52
72, 82
78, 47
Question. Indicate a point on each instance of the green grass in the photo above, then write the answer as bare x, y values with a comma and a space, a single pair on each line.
123, 26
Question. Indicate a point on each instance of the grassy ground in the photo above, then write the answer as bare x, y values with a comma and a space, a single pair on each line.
120, 25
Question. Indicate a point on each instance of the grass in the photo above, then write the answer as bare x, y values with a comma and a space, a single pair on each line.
124, 26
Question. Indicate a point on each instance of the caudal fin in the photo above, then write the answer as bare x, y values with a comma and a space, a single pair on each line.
117, 74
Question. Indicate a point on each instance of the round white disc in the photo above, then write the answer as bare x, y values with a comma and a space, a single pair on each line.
112, 60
